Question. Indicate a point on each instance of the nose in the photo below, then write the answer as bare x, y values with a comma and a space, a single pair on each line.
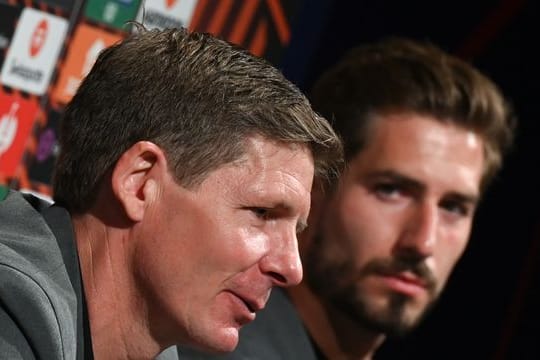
420, 235
282, 262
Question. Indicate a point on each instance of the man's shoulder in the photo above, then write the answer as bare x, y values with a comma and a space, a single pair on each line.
26, 240
35, 292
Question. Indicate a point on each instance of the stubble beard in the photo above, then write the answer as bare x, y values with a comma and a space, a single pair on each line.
336, 284
393, 318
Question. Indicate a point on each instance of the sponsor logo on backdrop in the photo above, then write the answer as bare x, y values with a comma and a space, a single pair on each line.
163, 14
8, 127
17, 115
170, 3
32, 55
112, 12
41, 167
87, 43
47, 145
38, 37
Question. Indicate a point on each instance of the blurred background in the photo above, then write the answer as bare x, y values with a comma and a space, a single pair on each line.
491, 307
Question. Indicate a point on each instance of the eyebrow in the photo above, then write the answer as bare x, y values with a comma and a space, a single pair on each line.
416, 185
464, 198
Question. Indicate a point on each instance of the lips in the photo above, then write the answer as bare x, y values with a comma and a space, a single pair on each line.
405, 283
410, 278
253, 304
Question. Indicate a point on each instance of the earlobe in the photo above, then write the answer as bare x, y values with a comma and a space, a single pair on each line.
135, 178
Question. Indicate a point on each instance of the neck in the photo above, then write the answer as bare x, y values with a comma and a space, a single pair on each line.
118, 325
336, 335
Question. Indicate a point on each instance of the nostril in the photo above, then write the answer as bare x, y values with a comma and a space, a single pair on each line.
282, 280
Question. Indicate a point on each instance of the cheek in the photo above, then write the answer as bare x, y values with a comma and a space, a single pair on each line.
449, 249
246, 245
364, 225
179, 247
232, 249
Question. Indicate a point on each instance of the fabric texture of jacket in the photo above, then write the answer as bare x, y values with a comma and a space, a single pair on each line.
41, 301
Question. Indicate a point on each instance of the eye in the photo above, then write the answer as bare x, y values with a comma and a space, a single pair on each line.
456, 208
260, 212
387, 191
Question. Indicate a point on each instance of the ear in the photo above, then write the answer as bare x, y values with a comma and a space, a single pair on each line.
137, 177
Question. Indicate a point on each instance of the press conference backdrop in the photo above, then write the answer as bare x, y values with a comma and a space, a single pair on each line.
48, 46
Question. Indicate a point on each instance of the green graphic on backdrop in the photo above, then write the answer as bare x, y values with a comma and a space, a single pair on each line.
112, 12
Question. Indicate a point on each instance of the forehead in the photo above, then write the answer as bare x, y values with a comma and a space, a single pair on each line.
278, 173
423, 148
265, 155
269, 162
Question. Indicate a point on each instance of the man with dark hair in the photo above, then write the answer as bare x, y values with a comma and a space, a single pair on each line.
184, 175
424, 133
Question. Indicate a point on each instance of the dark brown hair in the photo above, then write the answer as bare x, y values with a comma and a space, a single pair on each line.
400, 75
197, 97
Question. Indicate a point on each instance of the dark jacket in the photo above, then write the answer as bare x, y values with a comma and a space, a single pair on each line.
41, 302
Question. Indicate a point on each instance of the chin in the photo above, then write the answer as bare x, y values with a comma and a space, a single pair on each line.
398, 327
399, 320
217, 342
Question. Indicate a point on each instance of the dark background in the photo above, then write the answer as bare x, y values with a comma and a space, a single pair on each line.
489, 309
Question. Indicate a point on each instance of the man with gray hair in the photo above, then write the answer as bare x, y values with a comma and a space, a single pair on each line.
184, 176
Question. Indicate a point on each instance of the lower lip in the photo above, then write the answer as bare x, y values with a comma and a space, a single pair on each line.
405, 287
242, 314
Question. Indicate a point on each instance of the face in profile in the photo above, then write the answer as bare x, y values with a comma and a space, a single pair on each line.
391, 233
224, 244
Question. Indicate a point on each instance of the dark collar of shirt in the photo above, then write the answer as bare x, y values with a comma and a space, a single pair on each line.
60, 224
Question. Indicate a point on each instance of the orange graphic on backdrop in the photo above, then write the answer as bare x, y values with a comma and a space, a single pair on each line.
87, 43
213, 16
17, 115
170, 3
39, 36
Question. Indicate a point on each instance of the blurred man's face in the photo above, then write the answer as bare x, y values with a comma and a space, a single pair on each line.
218, 249
391, 234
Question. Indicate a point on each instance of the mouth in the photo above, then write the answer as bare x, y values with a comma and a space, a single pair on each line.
410, 278
251, 303
405, 283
